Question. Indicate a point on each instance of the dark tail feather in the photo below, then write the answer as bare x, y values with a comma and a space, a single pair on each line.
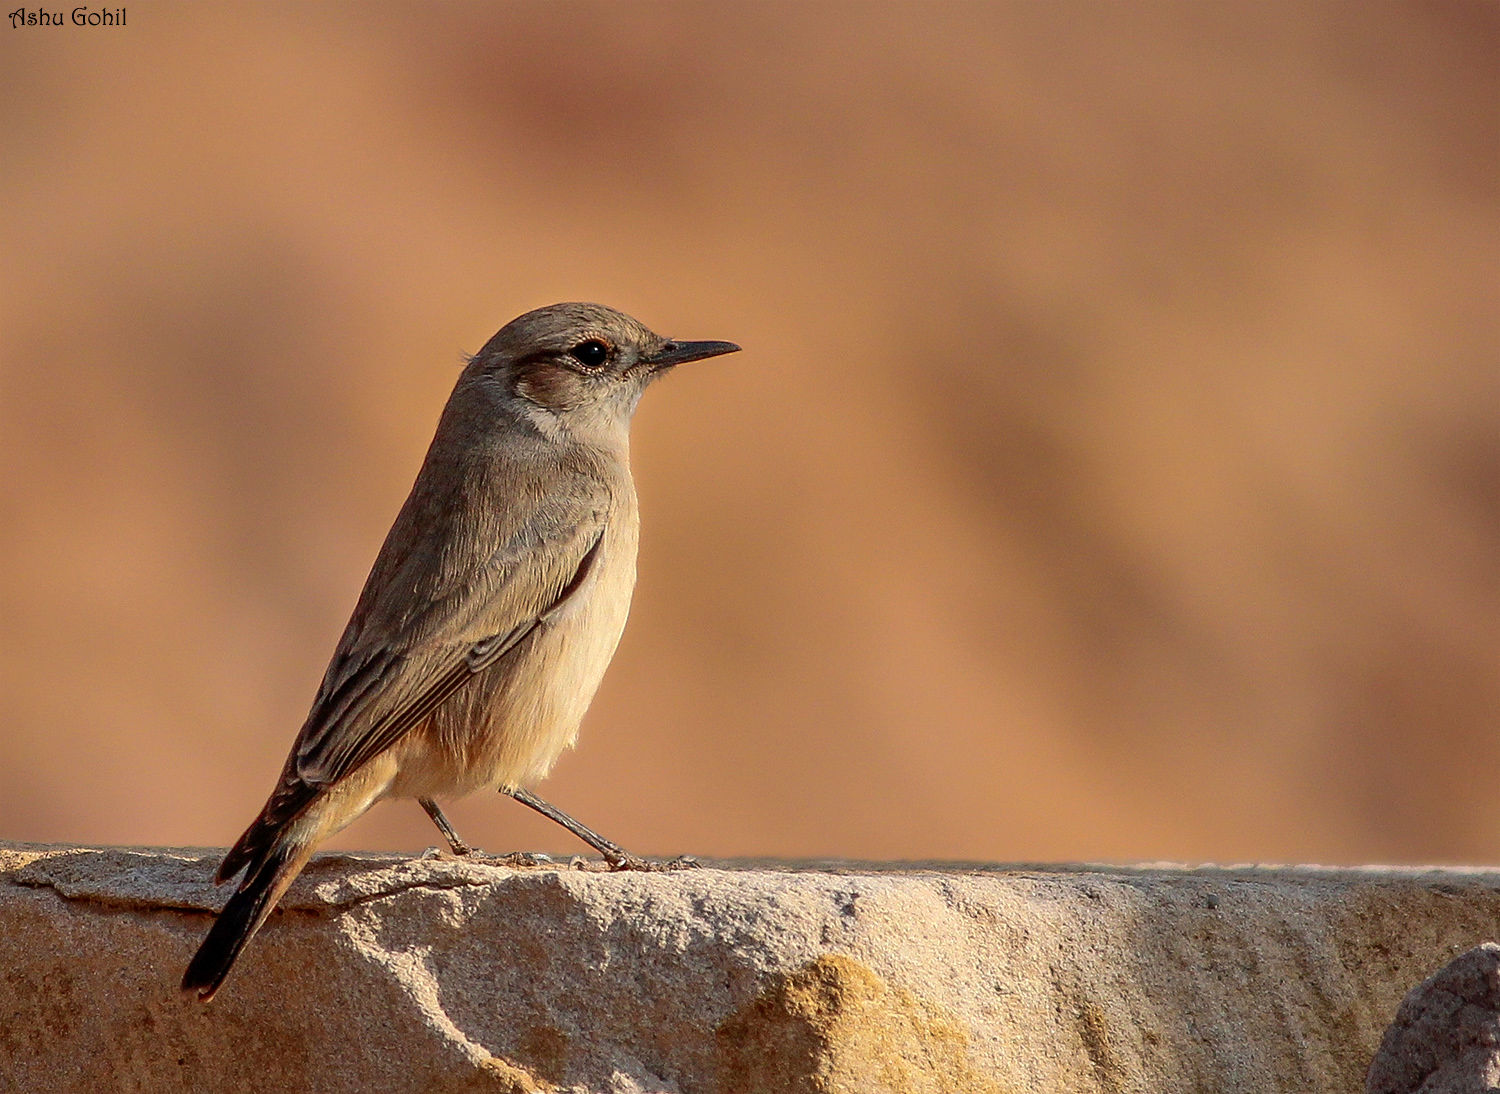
255, 842
290, 801
242, 916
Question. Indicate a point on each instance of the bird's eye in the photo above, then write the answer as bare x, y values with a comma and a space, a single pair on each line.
590, 354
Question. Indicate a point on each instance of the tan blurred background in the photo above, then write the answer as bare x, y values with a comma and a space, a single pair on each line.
1112, 470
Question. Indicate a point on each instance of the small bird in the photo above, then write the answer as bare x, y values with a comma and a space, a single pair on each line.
491, 612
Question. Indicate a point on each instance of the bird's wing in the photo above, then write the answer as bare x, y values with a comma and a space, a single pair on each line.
443, 604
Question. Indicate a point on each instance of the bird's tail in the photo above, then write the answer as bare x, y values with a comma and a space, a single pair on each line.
268, 876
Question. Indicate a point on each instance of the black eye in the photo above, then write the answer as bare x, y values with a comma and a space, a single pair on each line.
590, 354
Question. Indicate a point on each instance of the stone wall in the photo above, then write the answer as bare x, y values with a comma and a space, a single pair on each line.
389, 974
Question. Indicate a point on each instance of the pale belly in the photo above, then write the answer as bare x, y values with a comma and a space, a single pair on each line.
510, 724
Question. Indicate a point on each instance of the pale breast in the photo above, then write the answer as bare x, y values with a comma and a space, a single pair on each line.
509, 725
568, 661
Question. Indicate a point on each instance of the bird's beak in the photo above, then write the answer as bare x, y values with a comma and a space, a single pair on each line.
678, 353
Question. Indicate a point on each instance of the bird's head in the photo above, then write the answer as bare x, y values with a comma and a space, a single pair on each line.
572, 367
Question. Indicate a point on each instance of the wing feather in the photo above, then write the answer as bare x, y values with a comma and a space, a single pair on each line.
443, 603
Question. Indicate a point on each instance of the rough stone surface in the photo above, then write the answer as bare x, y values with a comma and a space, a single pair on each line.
381, 973
1446, 1036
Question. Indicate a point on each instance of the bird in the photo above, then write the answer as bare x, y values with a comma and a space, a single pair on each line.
489, 616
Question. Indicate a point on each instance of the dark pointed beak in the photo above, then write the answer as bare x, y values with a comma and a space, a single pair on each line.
679, 353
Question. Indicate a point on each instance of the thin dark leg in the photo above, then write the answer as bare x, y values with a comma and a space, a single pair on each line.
458, 845
613, 853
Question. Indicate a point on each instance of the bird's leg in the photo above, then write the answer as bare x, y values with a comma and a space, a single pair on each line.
457, 844
613, 853
462, 849
616, 856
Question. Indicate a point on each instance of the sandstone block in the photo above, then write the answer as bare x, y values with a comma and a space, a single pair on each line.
390, 974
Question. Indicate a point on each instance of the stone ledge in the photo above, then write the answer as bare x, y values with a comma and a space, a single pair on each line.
392, 974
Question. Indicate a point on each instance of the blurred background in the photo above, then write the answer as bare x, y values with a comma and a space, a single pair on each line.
1112, 470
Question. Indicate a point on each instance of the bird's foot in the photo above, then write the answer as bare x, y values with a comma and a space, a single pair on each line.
515, 859
518, 860
453, 854
626, 861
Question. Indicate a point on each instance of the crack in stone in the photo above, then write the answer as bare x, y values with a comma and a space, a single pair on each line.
308, 894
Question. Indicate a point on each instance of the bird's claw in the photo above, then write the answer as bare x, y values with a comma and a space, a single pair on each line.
456, 854
627, 861
523, 859
515, 859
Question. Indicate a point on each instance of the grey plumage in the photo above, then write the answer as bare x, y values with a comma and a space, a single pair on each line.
491, 612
